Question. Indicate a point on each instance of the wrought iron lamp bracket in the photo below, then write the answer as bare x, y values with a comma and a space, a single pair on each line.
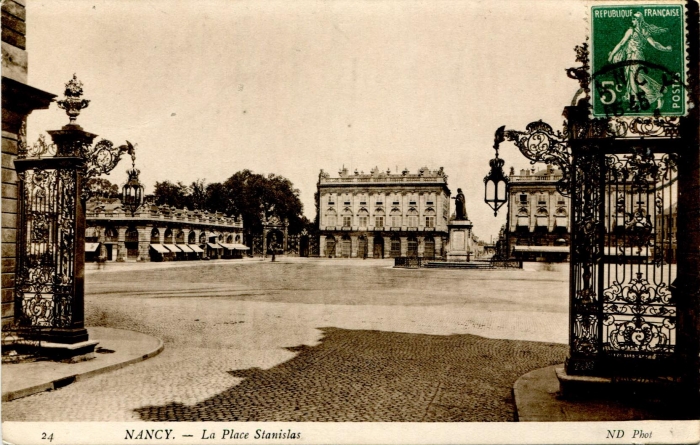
540, 143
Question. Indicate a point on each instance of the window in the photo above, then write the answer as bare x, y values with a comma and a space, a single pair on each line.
363, 200
523, 198
363, 221
412, 200
412, 221
380, 203
561, 201
347, 221
429, 221
346, 202
541, 200
429, 202
379, 221
330, 220
395, 221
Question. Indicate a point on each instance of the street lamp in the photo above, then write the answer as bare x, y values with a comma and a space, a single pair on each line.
132, 191
495, 191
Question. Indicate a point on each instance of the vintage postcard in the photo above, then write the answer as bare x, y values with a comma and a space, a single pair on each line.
356, 222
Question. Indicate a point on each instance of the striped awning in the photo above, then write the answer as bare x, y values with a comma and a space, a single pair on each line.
543, 249
159, 248
195, 248
172, 247
185, 248
214, 246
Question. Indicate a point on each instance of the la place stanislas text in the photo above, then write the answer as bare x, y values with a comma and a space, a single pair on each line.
224, 434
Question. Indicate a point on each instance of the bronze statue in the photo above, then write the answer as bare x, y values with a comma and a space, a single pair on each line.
460, 206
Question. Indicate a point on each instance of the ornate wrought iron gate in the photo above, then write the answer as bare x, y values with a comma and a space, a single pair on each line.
623, 313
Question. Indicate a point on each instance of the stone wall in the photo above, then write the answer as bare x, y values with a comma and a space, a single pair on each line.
18, 100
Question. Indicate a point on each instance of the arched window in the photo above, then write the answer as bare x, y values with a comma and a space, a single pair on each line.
412, 217
395, 218
331, 218
378, 251
412, 247
347, 217
203, 237
168, 237
238, 238
362, 249
346, 246
192, 237
180, 237
229, 239
110, 235
429, 248
132, 235
330, 246
429, 217
363, 217
395, 247
155, 236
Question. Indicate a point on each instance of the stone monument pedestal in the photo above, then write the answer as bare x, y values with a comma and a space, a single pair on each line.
459, 248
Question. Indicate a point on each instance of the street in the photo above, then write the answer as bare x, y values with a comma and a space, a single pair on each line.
315, 340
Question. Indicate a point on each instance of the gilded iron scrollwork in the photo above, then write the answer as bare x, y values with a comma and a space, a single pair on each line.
540, 143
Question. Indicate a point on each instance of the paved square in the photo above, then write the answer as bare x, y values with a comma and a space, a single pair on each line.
315, 340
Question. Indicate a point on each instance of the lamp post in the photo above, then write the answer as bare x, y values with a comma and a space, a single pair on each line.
52, 191
495, 183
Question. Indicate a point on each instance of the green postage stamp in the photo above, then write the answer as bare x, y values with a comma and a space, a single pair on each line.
638, 59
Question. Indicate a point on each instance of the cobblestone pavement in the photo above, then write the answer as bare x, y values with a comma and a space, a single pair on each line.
302, 341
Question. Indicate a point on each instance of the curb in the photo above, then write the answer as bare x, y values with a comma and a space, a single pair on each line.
65, 381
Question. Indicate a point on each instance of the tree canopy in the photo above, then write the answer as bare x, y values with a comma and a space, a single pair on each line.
252, 196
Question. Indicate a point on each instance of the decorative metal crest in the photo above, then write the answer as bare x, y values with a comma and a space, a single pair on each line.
539, 143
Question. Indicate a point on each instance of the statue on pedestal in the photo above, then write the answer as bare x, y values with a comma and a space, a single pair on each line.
460, 206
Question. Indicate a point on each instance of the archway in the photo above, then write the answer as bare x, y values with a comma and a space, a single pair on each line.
395, 247
330, 246
362, 247
412, 247
429, 248
131, 242
378, 251
346, 246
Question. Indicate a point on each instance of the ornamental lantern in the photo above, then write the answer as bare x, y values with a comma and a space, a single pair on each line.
495, 192
132, 191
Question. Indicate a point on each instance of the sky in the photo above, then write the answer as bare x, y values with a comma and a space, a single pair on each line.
211, 87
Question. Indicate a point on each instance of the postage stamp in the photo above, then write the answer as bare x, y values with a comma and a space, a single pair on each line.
638, 59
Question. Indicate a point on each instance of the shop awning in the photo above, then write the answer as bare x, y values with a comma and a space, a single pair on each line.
195, 248
159, 248
185, 248
543, 249
91, 247
239, 246
213, 246
172, 247
227, 246
522, 221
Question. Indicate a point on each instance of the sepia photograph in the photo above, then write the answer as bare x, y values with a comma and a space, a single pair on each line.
350, 221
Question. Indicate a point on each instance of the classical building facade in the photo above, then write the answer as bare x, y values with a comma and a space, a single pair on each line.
537, 227
159, 233
382, 215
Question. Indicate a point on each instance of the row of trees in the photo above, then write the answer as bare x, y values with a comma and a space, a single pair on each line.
250, 195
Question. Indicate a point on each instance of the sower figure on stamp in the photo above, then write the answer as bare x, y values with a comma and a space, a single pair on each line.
639, 86
460, 206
